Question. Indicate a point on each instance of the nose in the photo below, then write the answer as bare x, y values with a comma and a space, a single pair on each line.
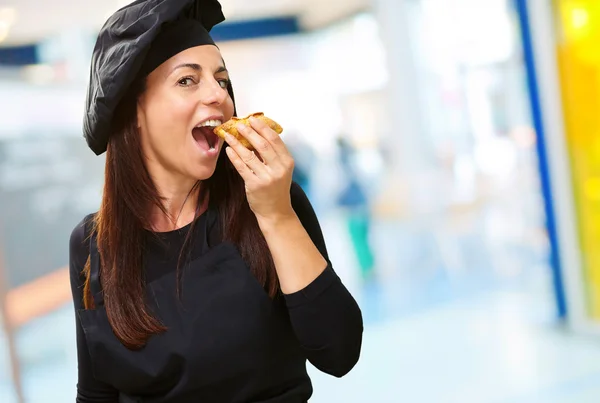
212, 93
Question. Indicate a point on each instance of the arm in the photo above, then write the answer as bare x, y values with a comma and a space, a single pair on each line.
297, 258
89, 390
325, 317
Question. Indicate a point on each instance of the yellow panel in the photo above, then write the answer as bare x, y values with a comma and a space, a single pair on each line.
578, 49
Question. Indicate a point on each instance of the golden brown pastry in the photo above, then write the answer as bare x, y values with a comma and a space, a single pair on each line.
230, 127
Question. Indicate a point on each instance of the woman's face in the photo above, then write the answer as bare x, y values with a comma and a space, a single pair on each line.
185, 98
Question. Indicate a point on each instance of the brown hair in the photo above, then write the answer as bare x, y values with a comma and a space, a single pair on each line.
128, 195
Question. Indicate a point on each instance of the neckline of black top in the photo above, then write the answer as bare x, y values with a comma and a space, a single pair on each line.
178, 231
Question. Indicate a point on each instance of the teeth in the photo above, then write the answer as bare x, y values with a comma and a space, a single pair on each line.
213, 123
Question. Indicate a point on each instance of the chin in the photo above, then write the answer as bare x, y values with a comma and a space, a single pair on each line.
204, 171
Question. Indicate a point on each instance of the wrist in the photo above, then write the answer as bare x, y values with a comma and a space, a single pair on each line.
276, 221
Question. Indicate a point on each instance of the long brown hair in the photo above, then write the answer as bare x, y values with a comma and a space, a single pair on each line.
128, 195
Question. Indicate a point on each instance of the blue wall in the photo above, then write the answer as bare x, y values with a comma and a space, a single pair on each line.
228, 31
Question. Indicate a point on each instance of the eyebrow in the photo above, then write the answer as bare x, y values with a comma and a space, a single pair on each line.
197, 67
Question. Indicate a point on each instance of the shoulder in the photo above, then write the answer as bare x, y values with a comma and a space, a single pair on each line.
299, 199
302, 206
78, 242
307, 216
78, 254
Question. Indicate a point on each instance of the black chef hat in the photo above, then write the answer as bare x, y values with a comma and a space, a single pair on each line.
133, 42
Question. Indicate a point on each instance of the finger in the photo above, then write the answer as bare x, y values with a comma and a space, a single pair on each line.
243, 169
270, 135
259, 142
246, 156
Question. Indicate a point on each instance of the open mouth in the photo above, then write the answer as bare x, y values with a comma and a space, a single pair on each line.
205, 137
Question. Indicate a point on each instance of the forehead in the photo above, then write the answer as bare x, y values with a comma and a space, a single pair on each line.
207, 56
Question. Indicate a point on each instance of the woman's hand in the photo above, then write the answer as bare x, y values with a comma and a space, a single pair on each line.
268, 175
268, 178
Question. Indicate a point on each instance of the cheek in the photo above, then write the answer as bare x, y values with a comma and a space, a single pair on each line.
228, 108
169, 119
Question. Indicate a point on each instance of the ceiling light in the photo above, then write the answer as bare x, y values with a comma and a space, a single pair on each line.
4, 28
8, 16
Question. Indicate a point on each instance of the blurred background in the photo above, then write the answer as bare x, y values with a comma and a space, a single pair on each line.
451, 149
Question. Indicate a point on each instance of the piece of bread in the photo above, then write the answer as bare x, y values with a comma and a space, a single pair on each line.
230, 127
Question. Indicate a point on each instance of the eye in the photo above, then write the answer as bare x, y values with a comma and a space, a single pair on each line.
224, 82
186, 81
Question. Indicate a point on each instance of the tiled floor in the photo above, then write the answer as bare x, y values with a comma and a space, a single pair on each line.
480, 350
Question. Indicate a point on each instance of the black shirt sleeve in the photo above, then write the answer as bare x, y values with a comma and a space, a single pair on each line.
89, 389
325, 317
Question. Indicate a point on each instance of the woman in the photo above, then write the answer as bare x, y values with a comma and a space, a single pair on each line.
204, 276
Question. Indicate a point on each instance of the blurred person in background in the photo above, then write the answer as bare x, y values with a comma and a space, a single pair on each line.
354, 202
204, 275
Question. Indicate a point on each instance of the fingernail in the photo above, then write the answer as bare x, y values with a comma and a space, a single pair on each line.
241, 127
229, 138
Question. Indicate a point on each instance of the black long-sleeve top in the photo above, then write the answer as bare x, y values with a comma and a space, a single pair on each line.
230, 343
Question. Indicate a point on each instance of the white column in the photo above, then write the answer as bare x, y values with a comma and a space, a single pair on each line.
408, 183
